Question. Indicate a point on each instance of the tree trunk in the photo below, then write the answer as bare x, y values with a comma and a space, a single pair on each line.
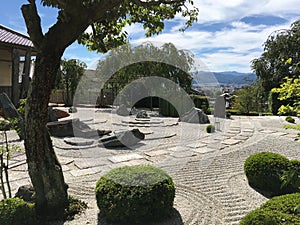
44, 169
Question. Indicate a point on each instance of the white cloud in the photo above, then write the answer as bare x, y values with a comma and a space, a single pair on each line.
228, 49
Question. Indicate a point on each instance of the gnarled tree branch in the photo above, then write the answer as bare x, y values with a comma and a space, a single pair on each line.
33, 23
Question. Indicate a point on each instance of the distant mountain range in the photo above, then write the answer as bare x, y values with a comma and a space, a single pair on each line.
226, 78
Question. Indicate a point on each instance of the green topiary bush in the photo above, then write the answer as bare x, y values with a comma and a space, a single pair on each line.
264, 171
280, 210
210, 128
290, 119
135, 195
15, 211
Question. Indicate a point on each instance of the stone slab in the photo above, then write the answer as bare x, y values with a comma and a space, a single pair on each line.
125, 157
203, 150
229, 135
196, 145
84, 172
241, 137
89, 163
233, 131
231, 142
209, 141
267, 131
157, 153
247, 130
185, 154
78, 141
19, 157
246, 134
281, 133
178, 149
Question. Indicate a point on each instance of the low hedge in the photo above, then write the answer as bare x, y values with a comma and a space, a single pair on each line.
290, 119
264, 171
280, 210
210, 128
15, 211
135, 195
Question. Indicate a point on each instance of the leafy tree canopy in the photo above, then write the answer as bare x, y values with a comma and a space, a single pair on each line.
69, 77
126, 64
271, 68
108, 26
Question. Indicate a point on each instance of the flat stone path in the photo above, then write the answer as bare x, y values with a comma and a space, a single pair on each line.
207, 168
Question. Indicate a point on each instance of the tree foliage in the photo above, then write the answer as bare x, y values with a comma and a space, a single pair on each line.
271, 68
144, 63
248, 99
289, 90
69, 77
109, 18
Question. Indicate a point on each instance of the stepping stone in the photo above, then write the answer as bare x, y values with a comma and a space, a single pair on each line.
20, 163
230, 142
178, 148
235, 128
229, 135
267, 131
281, 133
125, 157
203, 150
84, 172
157, 153
241, 137
77, 141
196, 145
185, 154
84, 164
233, 131
247, 130
19, 157
210, 141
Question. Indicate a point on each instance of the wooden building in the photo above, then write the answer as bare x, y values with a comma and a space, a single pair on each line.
16, 52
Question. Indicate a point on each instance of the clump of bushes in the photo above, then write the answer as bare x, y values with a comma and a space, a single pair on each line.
264, 172
290, 119
15, 211
210, 128
279, 210
135, 195
75, 206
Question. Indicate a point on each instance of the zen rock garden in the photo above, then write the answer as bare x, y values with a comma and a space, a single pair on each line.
89, 147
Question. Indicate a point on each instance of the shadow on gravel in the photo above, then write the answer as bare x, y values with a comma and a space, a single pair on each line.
175, 219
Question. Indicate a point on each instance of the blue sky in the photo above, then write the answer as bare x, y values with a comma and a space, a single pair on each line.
228, 34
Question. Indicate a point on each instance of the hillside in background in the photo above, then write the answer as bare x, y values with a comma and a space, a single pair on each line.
228, 78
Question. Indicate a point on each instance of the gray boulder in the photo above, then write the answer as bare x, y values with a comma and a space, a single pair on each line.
73, 127
123, 139
142, 115
26, 192
122, 110
194, 115
11, 112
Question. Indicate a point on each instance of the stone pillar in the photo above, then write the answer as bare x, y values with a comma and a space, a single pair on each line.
25, 75
15, 77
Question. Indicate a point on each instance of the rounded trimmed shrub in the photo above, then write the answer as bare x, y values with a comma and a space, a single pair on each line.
210, 128
15, 211
279, 210
135, 194
290, 119
264, 171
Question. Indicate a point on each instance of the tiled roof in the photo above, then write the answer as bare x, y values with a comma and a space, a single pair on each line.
12, 37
